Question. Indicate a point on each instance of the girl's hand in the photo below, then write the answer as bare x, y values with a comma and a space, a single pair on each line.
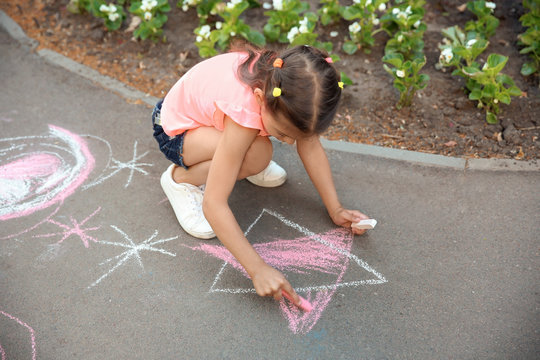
345, 218
270, 282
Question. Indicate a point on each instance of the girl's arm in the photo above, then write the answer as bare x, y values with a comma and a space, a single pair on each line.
226, 163
317, 166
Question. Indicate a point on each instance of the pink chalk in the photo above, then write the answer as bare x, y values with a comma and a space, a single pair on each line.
304, 304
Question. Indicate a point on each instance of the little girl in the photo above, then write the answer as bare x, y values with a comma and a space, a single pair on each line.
214, 126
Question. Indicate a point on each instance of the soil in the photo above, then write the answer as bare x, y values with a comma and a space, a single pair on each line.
441, 120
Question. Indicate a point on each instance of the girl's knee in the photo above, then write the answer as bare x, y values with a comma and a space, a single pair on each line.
257, 157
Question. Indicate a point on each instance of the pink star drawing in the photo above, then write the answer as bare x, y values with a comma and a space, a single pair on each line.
75, 229
325, 254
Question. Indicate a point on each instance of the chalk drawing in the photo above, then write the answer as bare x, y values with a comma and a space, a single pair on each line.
44, 174
327, 253
133, 251
75, 229
30, 330
132, 165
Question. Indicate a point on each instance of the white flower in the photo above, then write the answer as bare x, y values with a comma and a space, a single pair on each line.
205, 31
400, 73
303, 25
232, 33
470, 43
333, 33
496, 101
199, 38
147, 16
185, 8
356, 1
375, 21
219, 25
112, 8
382, 7
417, 24
408, 10
400, 38
490, 5
113, 16
267, 6
395, 11
485, 66
446, 55
368, 2
355, 27
292, 34
104, 8
278, 4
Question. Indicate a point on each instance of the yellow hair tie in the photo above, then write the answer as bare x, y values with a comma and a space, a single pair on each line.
340, 84
276, 92
278, 63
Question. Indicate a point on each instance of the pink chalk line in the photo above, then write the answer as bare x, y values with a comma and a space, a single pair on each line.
70, 180
327, 253
32, 334
74, 230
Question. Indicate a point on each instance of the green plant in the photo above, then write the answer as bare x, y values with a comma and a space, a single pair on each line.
486, 24
363, 29
484, 84
285, 15
407, 77
152, 15
530, 39
329, 12
489, 87
225, 31
112, 14
404, 50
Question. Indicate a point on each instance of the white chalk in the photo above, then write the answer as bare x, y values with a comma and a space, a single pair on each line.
367, 224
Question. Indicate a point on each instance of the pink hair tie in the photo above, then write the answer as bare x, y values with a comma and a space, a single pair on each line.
329, 60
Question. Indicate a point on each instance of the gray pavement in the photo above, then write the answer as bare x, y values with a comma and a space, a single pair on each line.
94, 266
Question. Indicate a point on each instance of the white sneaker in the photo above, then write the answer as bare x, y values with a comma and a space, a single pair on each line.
186, 201
274, 175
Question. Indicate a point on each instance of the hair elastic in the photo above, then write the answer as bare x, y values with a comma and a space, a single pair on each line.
329, 60
340, 84
278, 63
276, 92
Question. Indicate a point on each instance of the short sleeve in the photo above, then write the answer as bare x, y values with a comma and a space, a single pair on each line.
240, 114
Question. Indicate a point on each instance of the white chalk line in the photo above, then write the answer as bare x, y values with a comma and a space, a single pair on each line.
380, 279
118, 166
132, 252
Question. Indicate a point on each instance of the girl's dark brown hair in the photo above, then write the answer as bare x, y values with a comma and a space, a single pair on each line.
309, 85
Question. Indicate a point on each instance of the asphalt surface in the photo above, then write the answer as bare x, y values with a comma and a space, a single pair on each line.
93, 264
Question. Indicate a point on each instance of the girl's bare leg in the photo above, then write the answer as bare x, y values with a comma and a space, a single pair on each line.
199, 147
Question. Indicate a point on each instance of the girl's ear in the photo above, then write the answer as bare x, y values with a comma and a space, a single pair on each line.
259, 95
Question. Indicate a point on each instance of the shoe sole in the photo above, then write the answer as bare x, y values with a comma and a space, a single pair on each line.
266, 183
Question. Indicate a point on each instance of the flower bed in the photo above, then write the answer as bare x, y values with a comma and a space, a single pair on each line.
442, 119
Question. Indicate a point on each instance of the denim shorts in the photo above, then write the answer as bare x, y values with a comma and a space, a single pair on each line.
171, 146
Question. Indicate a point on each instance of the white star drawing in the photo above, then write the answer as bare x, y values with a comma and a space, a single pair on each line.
118, 166
133, 251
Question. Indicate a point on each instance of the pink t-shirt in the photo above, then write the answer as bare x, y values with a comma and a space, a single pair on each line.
206, 93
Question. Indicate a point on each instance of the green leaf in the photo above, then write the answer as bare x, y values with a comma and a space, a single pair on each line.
504, 98
395, 59
256, 38
528, 69
489, 91
271, 32
496, 62
476, 94
399, 85
350, 47
345, 79
491, 118
514, 91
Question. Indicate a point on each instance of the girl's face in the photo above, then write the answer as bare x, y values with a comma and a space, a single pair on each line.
275, 125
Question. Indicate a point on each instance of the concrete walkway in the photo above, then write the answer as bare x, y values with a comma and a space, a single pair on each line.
94, 266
